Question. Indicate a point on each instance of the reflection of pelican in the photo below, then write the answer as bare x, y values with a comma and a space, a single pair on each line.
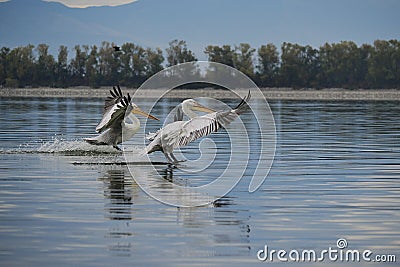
119, 193
167, 174
116, 187
180, 133
113, 128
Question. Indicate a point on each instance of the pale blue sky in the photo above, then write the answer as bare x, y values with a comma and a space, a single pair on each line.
153, 23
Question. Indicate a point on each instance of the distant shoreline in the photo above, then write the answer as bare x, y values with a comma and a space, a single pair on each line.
269, 93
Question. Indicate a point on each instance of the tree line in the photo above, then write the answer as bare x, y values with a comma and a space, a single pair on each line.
335, 65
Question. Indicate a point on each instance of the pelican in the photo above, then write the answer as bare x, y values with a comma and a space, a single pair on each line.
113, 128
180, 133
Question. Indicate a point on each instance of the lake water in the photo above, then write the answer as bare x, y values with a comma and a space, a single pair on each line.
336, 174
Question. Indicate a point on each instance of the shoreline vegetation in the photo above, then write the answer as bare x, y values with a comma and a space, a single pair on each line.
333, 65
269, 93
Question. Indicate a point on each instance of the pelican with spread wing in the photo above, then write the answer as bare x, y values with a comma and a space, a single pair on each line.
114, 127
180, 133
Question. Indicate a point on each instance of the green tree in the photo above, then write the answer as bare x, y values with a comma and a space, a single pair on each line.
127, 77
243, 59
109, 64
45, 67
133, 64
78, 65
21, 66
3, 65
362, 80
268, 65
62, 72
342, 65
177, 53
154, 60
219, 54
92, 68
384, 64
299, 65
139, 64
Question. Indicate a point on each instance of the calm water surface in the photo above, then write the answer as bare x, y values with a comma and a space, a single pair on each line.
336, 174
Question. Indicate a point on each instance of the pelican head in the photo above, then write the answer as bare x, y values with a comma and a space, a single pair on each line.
137, 110
190, 105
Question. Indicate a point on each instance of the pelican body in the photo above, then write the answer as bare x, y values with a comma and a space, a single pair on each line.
180, 133
114, 127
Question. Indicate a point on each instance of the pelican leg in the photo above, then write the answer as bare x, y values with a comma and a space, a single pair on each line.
168, 157
117, 148
175, 159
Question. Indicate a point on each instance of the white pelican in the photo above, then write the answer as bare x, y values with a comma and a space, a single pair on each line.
113, 128
179, 133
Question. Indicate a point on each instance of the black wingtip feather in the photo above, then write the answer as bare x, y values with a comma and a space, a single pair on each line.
125, 101
243, 105
116, 92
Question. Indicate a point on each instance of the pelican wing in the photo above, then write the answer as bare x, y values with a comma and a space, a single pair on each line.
177, 117
115, 113
193, 129
115, 98
204, 125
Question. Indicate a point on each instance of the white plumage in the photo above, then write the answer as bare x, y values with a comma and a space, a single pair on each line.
114, 127
180, 133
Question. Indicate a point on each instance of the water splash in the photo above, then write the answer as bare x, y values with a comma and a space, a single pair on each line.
75, 147
61, 146
83, 153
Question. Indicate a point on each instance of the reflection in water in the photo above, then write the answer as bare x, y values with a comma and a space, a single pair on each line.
222, 228
119, 191
238, 219
167, 173
336, 174
221, 225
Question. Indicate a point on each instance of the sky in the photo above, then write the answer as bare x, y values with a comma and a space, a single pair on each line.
154, 23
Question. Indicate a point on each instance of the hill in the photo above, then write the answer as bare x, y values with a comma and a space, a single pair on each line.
156, 22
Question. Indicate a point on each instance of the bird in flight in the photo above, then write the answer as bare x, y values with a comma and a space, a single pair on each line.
180, 133
114, 127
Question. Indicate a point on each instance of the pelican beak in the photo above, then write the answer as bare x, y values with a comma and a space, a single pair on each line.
141, 112
201, 108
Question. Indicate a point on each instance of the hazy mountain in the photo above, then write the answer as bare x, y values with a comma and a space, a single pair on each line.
156, 22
